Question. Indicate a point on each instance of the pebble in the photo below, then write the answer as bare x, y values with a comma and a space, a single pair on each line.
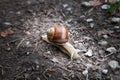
78, 61
48, 52
87, 38
28, 33
85, 72
28, 53
105, 71
113, 64
103, 43
86, 4
38, 78
92, 25
89, 20
89, 65
101, 51
18, 12
37, 32
7, 23
105, 36
54, 60
28, 44
8, 49
69, 9
65, 5
89, 53
111, 50
117, 27
115, 19
105, 6
75, 42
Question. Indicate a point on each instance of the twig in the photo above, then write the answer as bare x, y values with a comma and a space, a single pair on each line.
20, 43
20, 73
65, 69
14, 40
2, 71
108, 55
44, 74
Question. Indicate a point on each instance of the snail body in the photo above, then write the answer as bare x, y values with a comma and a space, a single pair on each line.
58, 34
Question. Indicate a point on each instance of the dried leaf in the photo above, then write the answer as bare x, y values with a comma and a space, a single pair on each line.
50, 70
95, 2
6, 32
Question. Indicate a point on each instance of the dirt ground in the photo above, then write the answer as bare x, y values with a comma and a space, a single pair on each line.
25, 56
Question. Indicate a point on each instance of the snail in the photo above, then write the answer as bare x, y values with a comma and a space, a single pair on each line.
58, 36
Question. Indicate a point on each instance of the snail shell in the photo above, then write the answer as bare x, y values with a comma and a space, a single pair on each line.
57, 34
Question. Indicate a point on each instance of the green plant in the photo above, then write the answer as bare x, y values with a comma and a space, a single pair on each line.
114, 6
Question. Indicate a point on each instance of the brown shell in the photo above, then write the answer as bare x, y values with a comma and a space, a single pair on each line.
58, 34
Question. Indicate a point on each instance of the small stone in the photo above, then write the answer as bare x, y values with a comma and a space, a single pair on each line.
111, 50
89, 53
28, 53
28, 44
103, 43
89, 65
105, 36
65, 5
78, 61
92, 25
28, 33
101, 51
7, 23
105, 6
48, 52
113, 64
18, 12
37, 66
69, 9
8, 49
37, 32
105, 71
87, 38
38, 78
117, 27
89, 20
86, 4
54, 60
115, 19
75, 42
85, 72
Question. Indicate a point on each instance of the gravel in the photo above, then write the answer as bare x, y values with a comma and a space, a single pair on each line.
86, 4
115, 19
105, 6
103, 43
89, 53
85, 72
111, 50
105, 71
113, 64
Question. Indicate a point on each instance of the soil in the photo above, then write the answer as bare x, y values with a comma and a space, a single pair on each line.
25, 56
